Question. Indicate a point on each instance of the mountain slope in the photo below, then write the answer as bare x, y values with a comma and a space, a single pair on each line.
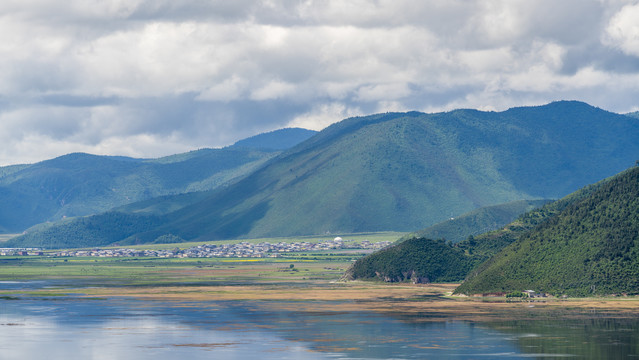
410, 170
449, 258
589, 248
81, 184
478, 221
418, 259
406, 171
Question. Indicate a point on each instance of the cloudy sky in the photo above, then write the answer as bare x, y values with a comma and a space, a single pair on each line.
151, 78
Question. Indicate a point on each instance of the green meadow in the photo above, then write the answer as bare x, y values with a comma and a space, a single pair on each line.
289, 267
163, 272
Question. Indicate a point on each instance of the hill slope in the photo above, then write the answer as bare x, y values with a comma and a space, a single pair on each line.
448, 258
478, 221
405, 171
590, 247
82, 184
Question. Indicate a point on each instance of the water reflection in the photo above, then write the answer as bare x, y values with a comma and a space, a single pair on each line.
73, 328
77, 329
592, 338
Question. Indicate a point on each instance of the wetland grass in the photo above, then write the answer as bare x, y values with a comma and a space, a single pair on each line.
299, 284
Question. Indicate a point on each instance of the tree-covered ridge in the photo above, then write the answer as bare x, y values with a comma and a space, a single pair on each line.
478, 221
590, 248
469, 253
420, 260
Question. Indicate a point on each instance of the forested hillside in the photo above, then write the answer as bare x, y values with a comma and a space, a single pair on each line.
419, 260
478, 221
448, 257
589, 248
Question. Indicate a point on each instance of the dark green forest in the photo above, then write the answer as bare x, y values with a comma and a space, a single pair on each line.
591, 247
419, 260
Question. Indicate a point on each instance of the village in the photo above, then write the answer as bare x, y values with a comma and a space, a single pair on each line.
237, 250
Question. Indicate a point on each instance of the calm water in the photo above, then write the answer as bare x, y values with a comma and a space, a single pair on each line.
132, 329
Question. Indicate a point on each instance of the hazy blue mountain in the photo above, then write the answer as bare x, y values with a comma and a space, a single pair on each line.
81, 184
406, 171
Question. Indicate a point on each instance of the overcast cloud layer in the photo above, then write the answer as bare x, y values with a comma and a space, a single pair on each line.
152, 78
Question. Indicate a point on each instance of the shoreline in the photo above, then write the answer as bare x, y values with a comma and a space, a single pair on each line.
431, 301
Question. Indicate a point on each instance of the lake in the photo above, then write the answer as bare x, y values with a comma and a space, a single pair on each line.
72, 327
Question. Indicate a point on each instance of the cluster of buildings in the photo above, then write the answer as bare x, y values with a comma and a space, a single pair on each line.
243, 249
21, 252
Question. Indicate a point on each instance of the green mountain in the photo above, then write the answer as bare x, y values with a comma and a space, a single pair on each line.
420, 260
81, 184
590, 248
448, 258
405, 171
478, 221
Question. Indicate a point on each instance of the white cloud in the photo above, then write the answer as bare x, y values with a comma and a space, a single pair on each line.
273, 90
229, 89
323, 115
90, 75
623, 30
383, 92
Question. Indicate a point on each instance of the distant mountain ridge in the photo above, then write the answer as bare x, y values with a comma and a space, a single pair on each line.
82, 184
406, 171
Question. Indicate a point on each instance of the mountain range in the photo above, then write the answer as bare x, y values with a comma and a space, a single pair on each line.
82, 184
393, 171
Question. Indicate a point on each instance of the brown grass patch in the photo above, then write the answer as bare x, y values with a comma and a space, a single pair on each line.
431, 302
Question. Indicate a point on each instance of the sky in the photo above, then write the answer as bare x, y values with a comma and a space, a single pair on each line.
149, 78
